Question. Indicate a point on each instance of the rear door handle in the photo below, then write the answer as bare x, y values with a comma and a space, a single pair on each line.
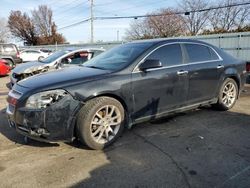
220, 67
182, 72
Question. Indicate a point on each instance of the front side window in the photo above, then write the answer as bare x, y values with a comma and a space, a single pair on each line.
198, 53
168, 55
76, 58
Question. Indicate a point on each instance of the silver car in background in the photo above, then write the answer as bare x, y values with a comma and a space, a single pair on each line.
59, 59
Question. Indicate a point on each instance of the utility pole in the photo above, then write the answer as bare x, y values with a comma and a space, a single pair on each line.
91, 21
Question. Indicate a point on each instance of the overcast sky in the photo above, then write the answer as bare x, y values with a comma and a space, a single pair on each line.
67, 12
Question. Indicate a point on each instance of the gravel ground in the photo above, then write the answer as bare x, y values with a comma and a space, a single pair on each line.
199, 148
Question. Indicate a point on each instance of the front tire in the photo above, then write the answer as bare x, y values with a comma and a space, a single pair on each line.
100, 122
228, 95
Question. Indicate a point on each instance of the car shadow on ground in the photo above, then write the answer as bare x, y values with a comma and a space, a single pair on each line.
12, 135
200, 148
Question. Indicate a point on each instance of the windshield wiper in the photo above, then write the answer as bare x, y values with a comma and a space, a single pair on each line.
95, 67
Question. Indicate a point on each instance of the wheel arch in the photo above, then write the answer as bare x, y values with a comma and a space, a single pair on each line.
111, 95
236, 79
233, 74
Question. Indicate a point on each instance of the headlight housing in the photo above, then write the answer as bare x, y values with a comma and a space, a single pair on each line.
44, 99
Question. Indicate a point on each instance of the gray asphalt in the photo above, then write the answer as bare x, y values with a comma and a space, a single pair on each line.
199, 148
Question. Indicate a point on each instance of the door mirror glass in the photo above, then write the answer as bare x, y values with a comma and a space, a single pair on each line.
149, 64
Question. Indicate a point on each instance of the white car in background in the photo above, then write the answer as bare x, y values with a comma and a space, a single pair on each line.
33, 55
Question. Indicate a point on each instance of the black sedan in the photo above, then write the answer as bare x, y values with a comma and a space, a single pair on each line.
129, 84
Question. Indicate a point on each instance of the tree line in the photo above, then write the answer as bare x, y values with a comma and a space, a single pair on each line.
194, 22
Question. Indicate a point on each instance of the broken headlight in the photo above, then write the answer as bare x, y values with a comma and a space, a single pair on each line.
45, 99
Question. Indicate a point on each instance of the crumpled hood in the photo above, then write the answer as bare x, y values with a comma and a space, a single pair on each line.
62, 77
29, 67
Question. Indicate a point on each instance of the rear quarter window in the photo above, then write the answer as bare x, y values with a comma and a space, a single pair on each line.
198, 53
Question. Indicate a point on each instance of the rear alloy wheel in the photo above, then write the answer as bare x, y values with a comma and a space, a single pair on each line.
228, 95
100, 122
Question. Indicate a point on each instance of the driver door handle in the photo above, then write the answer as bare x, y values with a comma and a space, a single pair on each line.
220, 67
182, 72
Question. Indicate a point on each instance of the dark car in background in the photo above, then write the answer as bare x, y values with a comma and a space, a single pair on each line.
132, 83
10, 53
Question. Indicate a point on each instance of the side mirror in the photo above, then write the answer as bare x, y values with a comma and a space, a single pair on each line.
149, 64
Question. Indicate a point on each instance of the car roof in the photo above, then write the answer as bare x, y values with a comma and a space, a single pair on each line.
164, 40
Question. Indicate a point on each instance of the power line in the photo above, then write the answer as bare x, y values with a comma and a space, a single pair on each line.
174, 13
75, 24
155, 15
65, 5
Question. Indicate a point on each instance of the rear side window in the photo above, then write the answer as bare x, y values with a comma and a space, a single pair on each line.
168, 55
197, 53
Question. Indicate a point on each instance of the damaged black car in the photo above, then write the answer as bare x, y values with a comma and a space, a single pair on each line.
132, 83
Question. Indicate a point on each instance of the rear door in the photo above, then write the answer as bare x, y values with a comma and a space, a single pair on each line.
205, 69
161, 89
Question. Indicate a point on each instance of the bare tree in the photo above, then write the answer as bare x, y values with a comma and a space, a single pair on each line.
139, 29
40, 29
195, 21
21, 26
42, 19
4, 31
45, 26
229, 18
168, 24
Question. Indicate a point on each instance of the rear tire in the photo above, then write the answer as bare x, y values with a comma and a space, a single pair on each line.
100, 122
228, 95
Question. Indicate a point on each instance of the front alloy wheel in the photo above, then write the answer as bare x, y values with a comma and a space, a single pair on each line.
105, 124
100, 122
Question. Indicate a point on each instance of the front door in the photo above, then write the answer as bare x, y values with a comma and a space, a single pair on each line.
156, 91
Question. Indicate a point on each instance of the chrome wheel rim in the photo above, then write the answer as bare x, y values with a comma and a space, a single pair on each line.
105, 124
229, 94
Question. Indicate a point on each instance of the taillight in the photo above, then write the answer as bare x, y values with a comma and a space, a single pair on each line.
248, 66
18, 55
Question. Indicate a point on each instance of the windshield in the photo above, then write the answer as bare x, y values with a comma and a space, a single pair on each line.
54, 56
118, 57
